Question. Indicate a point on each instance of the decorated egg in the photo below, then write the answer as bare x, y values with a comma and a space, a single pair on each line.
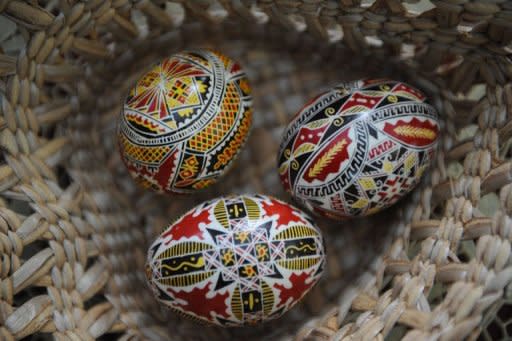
358, 148
184, 121
236, 261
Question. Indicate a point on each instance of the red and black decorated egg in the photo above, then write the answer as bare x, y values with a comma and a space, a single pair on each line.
358, 148
236, 261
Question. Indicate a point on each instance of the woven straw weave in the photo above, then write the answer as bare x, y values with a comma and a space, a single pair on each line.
74, 229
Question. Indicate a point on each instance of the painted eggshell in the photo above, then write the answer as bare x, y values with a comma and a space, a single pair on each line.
184, 121
358, 148
236, 261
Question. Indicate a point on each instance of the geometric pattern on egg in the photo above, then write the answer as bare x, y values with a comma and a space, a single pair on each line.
358, 148
236, 261
184, 121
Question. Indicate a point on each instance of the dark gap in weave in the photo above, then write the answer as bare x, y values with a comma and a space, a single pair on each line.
63, 177
495, 330
437, 211
466, 250
437, 293
61, 90
96, 299
33, 248
352, 317
507, 146
50, 6
37, 337
396, 333
48, 131
3, 153
37, 291
509, 328
414, 249
110, 337
26, 294
55, 11
463, 257
505, 314
387, 283
20, 206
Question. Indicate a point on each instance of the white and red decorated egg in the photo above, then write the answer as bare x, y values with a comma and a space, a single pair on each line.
236, 260
358, 148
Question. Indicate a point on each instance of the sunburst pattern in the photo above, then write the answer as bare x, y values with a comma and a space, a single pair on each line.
256, 258
193, 102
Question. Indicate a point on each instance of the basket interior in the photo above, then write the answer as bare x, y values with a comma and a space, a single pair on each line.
282, 81
75, 227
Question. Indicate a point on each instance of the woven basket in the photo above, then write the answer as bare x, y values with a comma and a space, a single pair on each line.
74, 229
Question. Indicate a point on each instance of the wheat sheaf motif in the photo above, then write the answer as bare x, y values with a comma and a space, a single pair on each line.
411, 131
327, 158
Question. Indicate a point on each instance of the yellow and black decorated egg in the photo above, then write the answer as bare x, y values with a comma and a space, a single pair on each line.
236, 261
184, 121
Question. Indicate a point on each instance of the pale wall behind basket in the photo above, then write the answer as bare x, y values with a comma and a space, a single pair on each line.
74, 229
